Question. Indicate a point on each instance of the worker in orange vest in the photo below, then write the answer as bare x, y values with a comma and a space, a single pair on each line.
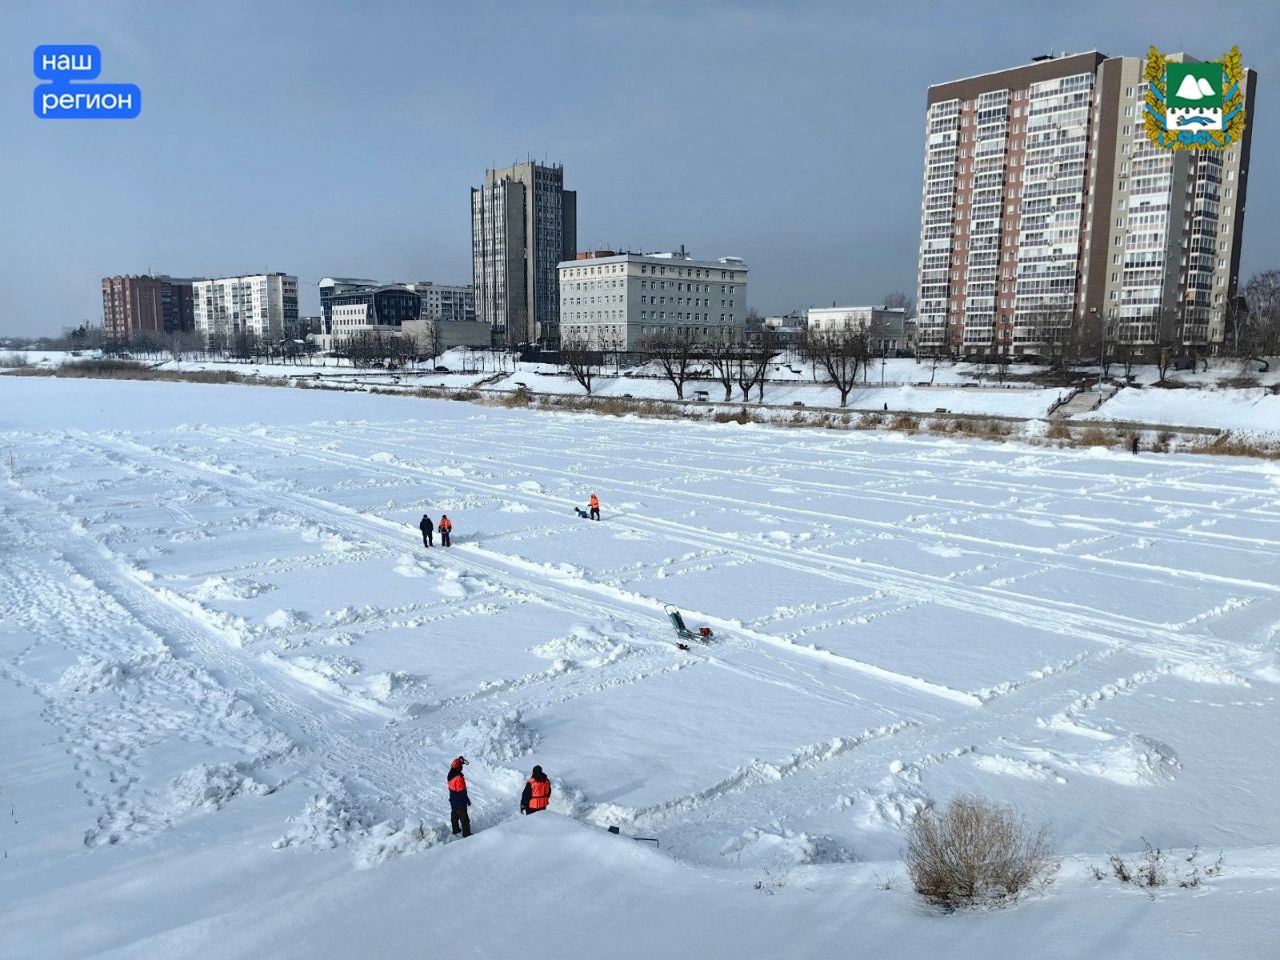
594, 505
459, 818
445, 526
537, 792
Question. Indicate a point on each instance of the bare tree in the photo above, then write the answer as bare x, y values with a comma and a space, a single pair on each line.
839, 353
1167, 329
583, 363
1260, 337
673, 351
722, 352
764, 350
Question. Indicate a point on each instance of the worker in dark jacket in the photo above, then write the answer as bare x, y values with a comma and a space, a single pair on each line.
537, 792
459, 818
426, 526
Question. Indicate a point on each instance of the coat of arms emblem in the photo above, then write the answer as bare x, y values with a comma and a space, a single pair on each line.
1194, 106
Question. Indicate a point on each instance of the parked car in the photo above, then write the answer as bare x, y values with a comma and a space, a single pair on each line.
442, 369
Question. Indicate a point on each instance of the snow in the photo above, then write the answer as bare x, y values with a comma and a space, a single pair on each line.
1246, 410
233, 679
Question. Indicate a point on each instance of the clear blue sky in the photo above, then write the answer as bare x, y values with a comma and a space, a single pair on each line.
323, 138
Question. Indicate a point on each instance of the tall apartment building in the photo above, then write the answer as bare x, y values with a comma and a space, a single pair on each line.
613, 301
1045, 209
262, 304
523, 223
446, 303
134, 305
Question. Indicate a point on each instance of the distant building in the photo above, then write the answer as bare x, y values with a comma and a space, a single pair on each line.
132, 305
447, 303
305, 327
614, 302
382, 309
523, 223
788, 328
331, 287
260, 305
886, 326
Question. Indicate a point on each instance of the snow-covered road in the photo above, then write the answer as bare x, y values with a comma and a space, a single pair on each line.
216, 598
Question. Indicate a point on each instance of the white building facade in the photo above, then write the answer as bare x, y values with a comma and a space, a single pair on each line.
616, 301
886, 326
260, 305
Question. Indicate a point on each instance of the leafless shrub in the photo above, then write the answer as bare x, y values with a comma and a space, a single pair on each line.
1151, 869
1058, 431
723, 416
1096, 437
905, 423
14, 361
973, 851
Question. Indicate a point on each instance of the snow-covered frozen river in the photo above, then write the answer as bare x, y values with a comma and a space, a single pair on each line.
218, 624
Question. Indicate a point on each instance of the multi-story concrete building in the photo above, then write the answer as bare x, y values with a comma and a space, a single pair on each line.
330, 287
1047, 214
885, 326
135, 305
383, 309
614, 301
446, 303
523, 223
261, 305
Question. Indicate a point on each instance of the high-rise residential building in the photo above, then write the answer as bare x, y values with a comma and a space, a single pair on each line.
142, 304
523, 224
1047, 214
261, 305
447, 303
614, 301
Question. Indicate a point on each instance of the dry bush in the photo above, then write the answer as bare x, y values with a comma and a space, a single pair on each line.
14, 361
905, 423
869, 421
740, 417
101, 368
1096, 437
974, 851
468, 396
1233, 445
520, 397
1058, 430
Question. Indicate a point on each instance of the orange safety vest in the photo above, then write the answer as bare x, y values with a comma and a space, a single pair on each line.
539, 794
456, 781
446, 524
595, 502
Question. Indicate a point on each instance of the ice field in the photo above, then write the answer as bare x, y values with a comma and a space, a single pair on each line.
232, 677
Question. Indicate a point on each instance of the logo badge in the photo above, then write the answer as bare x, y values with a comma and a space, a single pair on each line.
1194, 106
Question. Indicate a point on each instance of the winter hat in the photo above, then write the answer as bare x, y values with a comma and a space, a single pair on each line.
537, 771
458, 761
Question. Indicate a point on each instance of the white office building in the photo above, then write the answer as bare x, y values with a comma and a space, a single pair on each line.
261, 305
886, 326
614, 301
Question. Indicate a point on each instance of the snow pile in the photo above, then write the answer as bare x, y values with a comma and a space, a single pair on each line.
285, 619
328, 820
1210, 673
777, 846
1133, 760
587, 647
224, 588
395, 686
395, 838
496, 739
91, 674
208, 788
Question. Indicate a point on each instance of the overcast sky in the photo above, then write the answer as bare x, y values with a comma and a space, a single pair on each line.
341, 139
